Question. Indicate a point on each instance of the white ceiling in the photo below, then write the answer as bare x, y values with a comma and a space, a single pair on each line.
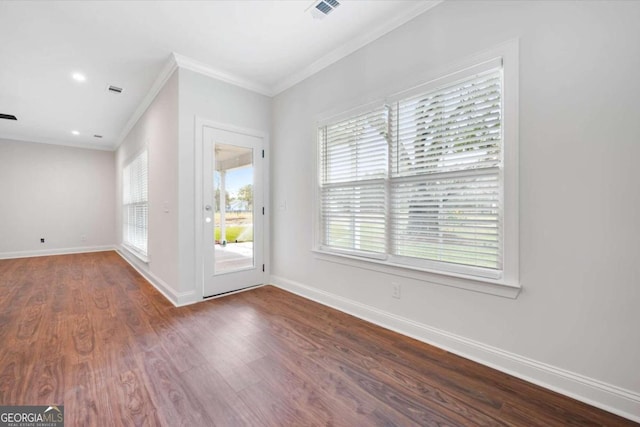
263, 45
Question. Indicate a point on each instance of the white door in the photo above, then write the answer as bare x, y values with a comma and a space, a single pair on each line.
232, 211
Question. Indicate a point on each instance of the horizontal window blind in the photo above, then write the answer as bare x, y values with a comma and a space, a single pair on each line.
354, 217
450, 129
454, 220
355, 149
135, 204
444, 212
419, 181
353, 168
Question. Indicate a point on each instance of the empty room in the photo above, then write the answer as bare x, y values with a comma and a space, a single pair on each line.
330, 212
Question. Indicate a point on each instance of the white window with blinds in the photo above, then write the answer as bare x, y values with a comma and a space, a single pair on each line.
419, 180
135, 206
354, 171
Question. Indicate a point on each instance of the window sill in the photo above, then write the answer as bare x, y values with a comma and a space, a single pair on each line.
135, 253
476, 284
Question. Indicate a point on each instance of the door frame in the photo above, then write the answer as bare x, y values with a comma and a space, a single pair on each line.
200, 124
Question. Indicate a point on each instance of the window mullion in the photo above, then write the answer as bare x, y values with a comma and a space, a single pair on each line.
389, 232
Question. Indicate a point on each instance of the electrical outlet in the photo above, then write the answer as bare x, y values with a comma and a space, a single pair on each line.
42, 240
396, 290
83, 237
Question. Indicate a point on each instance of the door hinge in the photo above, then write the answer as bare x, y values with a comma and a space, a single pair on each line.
263, 268
263, 154
263, 210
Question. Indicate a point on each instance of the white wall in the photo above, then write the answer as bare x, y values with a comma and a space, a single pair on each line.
157, 129
579, 197
210, 99
64, 195
168, 129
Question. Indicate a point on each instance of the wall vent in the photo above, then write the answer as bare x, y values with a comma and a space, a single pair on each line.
8, 116
114, 89
322, 8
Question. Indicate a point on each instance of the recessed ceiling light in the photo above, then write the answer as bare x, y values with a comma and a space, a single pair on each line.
79, 77
75, 132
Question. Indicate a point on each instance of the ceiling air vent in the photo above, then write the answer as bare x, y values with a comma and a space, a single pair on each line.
8, 116
322, 8
114, 89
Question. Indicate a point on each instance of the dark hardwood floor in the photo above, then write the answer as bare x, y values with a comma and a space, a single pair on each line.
88, 332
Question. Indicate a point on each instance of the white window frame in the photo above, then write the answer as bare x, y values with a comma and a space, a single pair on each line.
133, 249
361, 254
504, 282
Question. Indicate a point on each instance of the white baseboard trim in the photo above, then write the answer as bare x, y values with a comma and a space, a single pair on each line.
178, 299
59, 251
619, 401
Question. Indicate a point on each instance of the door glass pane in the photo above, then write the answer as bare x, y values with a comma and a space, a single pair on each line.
233, 230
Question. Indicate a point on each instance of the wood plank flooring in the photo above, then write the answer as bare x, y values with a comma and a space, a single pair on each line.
88, 332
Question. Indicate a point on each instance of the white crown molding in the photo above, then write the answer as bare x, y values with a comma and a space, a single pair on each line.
202, 68
617, 400
353, 45
49, 141
167, 70
174, 62
180, 61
